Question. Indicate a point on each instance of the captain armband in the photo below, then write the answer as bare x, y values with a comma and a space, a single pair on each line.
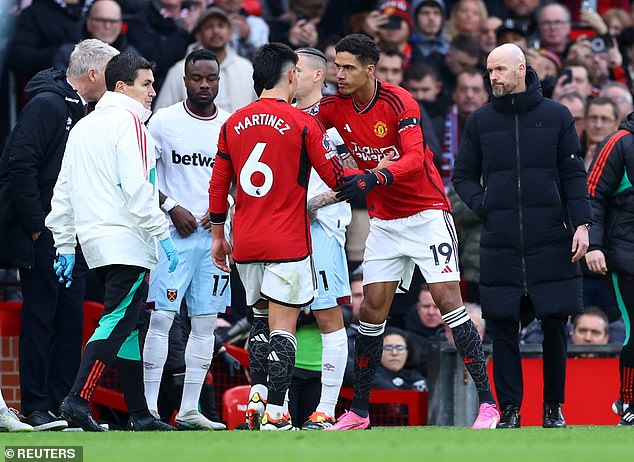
408, 122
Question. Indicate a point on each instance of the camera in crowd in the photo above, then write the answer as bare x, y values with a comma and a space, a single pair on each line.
601, 43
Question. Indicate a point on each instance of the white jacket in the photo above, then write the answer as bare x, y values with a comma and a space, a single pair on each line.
106, 192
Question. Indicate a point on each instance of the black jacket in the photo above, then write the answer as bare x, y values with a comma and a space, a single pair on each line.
31, 162
610, 187
41, 29
518, 169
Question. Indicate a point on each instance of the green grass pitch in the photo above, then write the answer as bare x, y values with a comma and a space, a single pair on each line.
416, 444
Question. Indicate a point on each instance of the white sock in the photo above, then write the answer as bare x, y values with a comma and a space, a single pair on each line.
274, 411
334, 355
155, 355
261, 389
198, 353
3, 404
285, 405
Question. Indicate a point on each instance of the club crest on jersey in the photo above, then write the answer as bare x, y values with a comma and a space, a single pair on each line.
380, 129
172, 294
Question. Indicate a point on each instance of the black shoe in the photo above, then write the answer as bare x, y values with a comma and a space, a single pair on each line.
553, 418
510, 417
628, 418
45, 421
617, 407
148, 423
76, 410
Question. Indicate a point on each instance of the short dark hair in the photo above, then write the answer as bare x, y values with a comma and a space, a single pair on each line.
269, 63
603, 101
592, 311
361, 46
419, 71
467, 44
201, 55
124, 67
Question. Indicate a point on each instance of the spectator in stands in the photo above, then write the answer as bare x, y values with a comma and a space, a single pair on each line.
546, 64
602, 119
576, 104
427, 37
488, 36
617, 21
235, 88
161, 32
424, 324
421, 80
620, 95
554, 28
328, 47
397, 29
590, 328
389, 67
52, 329
104, 23
299, 26
463, 53
512, 31
466, 17
523, 12
41, 29
249, 31
397, 370
580, 82
468, 96
469, 227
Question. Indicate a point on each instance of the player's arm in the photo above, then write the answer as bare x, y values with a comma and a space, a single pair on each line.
320, 201
219, 184
468, 169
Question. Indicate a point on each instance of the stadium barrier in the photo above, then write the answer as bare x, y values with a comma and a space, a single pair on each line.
592, 375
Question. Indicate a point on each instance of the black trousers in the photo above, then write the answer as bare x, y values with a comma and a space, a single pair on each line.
507, 366
116, 337
303, 394
52, 329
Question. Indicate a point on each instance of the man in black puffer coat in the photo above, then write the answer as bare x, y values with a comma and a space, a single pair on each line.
518, 169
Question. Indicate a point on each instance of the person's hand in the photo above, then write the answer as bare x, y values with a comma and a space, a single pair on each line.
615, 59
220, 250
594, 20
190, 17
63, 266
596, 262
205, 222
239, 25
357, 185
373, 22
172, 253
562, 88
303, 33
580, 242
35, 235
183, 220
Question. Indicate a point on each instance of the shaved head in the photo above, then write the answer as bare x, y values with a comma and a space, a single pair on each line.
506, 67
510, 53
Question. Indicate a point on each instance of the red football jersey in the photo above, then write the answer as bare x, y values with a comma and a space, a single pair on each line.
390, 123
270, 147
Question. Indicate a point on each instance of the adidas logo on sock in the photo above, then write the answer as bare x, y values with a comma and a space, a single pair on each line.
260, 338
273, 356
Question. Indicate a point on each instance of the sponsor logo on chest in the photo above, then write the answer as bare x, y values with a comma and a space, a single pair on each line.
196, 159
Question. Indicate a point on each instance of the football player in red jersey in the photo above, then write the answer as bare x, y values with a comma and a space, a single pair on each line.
270, 146
410, 221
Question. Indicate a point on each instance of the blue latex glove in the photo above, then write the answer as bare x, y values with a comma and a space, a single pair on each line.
171, 252
63, 267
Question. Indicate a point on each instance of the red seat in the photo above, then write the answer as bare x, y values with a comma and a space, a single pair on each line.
234, 405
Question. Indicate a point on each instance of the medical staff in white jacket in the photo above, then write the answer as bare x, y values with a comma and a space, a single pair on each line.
106, 195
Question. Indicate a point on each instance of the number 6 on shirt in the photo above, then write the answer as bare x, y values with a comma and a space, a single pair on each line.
253, 165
